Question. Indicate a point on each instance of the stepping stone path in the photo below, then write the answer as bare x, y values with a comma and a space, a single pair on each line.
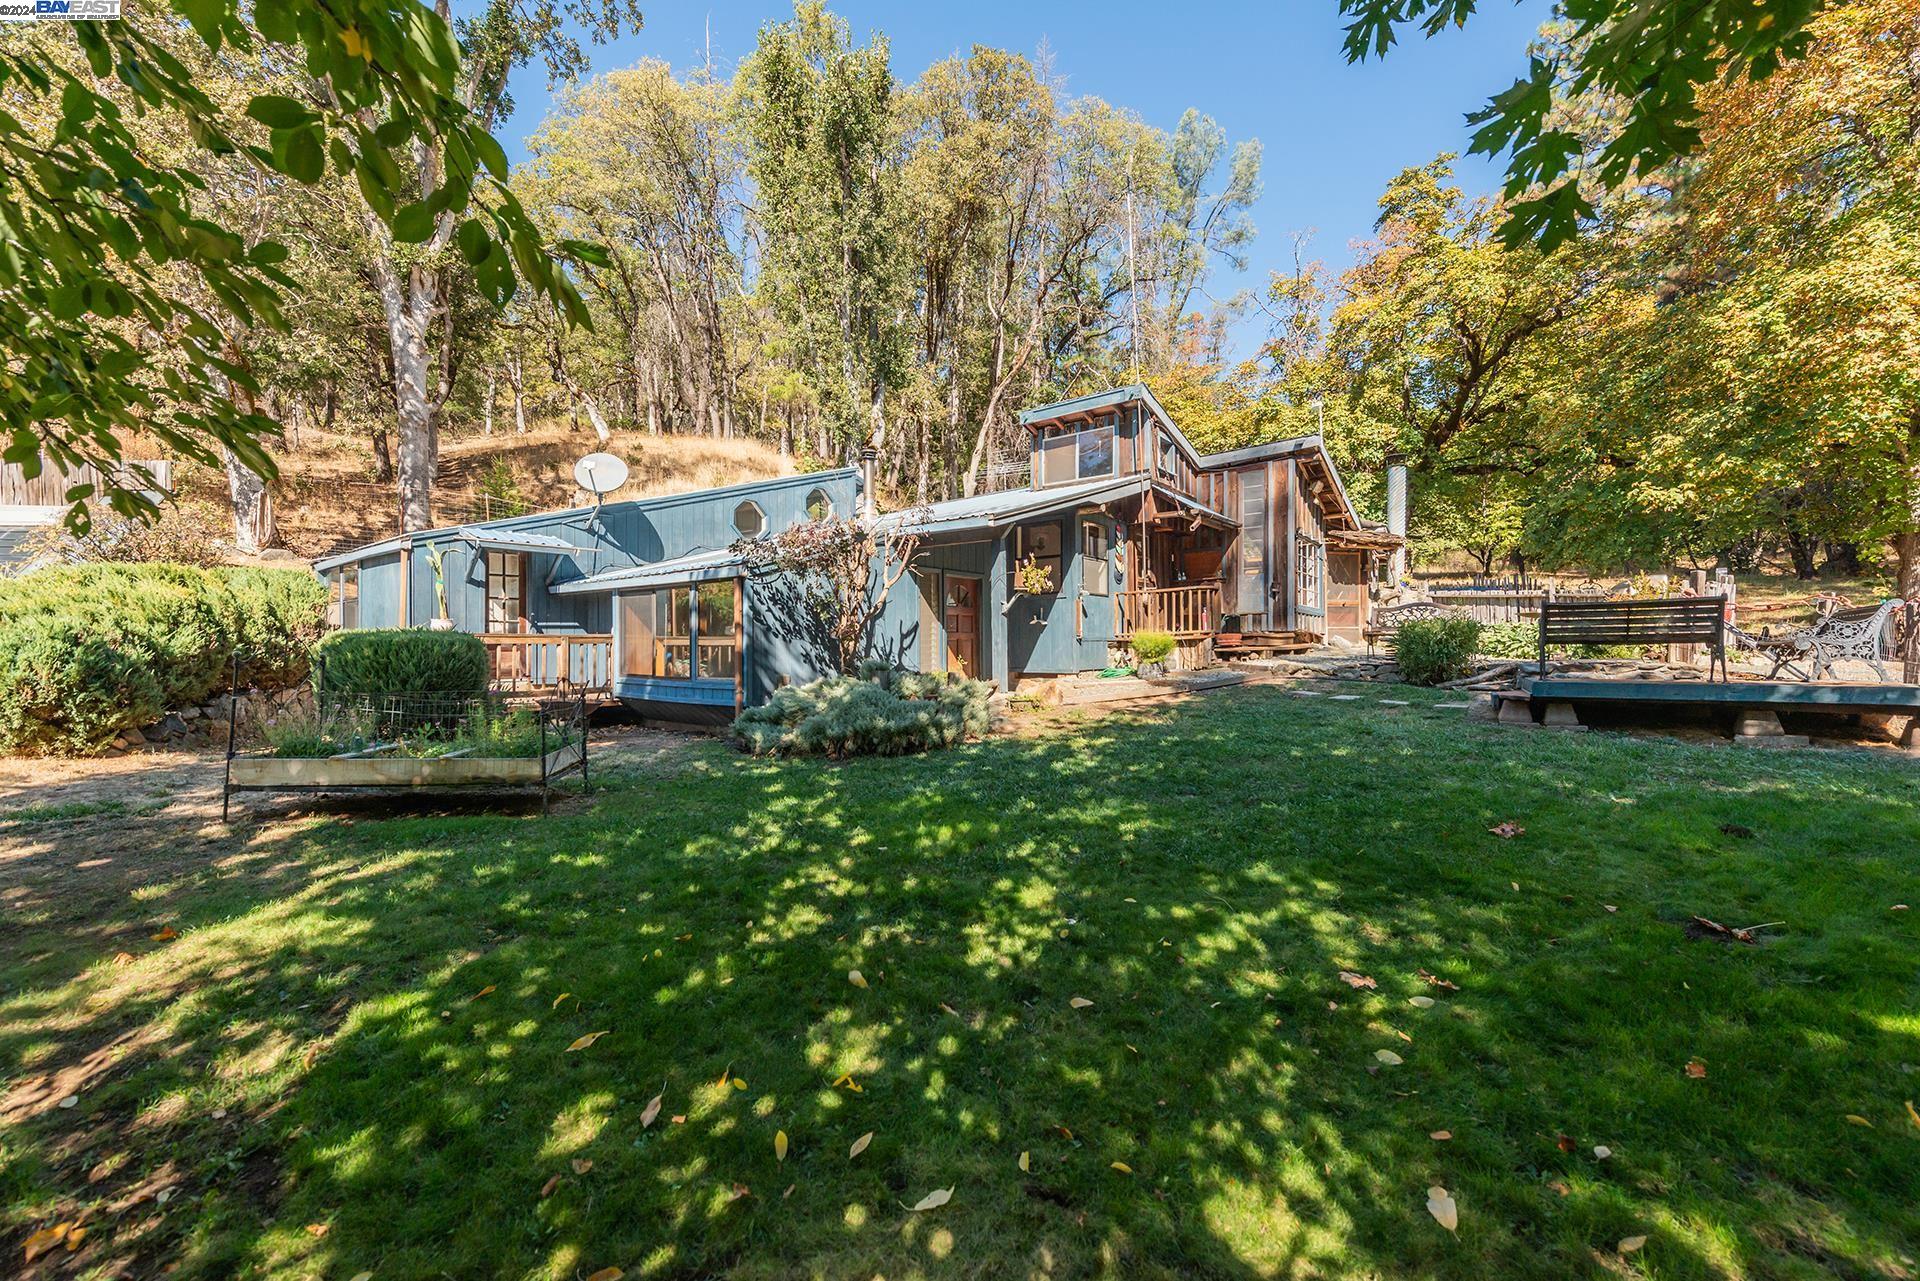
1307, 693
1395, 702
1454, 705
1343, 698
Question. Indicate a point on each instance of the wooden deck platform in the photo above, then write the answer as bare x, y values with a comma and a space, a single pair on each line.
1754, 708
1244, 644
1777, 696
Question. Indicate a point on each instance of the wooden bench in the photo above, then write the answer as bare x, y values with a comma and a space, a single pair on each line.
1683, 620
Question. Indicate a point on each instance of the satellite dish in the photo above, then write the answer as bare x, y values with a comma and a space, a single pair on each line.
600, 474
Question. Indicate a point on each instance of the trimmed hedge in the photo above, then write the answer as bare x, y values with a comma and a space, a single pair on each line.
887, 713
401, 660
1431, 650
87, 651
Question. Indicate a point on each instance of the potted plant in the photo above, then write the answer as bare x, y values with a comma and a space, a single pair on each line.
1030, 578
436, 559
1151, 650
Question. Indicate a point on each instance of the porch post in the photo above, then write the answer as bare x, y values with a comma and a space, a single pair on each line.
1289, 618
994, 619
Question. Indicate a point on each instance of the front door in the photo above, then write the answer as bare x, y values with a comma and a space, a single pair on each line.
962, 618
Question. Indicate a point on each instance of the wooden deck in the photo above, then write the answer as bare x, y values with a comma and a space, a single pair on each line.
550, 665
1256, 644
1790, 696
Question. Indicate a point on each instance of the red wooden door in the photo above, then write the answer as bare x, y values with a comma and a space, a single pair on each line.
962, 616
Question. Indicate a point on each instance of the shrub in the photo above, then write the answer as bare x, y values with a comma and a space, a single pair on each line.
1153, 647
90, 650
1432, 650
1510, 640
883, 714
401, 660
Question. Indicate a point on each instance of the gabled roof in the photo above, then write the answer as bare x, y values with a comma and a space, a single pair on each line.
992, 511
1292, 445
694, 567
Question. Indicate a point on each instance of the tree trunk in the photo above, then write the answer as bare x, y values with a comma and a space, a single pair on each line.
254, 528
410, 306
382, 457
1801, 548
486, 420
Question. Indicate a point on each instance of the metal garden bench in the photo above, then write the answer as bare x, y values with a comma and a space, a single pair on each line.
1387, 621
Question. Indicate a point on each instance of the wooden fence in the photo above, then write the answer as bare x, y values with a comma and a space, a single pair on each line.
539, 663
50, 487
1189, 610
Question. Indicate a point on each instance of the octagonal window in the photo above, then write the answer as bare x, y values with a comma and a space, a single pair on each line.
749, 520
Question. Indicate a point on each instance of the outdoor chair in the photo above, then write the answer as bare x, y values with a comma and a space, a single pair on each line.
1862, 632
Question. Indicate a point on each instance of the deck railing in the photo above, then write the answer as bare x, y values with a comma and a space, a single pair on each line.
1188, 611
538, 662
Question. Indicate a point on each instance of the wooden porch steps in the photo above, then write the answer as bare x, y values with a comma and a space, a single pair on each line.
1248, 644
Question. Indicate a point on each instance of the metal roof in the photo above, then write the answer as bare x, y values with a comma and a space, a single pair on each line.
990, 511
694, 567
515, 540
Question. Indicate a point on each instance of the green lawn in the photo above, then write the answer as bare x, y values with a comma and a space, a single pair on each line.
354, 1057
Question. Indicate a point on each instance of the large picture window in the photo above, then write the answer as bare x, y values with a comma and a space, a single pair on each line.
719, 646
506, 591
678, 633
1077, 455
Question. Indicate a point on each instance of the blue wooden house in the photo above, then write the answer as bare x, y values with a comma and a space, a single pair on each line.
1123, 524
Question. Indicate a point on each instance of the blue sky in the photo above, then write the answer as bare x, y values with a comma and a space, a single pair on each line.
1334, 134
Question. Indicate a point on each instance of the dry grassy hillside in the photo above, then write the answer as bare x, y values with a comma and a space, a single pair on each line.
326, 499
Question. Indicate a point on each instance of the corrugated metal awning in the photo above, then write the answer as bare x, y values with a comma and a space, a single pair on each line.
695, 567
993, 511
515, 540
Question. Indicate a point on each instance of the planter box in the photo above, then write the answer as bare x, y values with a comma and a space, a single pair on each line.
267, 773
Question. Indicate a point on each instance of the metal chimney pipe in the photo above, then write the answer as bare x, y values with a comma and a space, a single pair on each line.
1397, 513
869, 500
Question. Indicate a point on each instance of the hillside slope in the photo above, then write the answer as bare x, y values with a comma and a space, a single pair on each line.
325, 499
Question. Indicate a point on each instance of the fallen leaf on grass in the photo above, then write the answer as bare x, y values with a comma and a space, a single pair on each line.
488, 990
165, 934
556, 1000
1441, 1136
1601, 1151
1629, 1244
949, 1009
45, 1239
1388, 1057
739, 1190
679, 1120
846, 1079
651, 1112
74, 1237
1420, 1002
319, 1229
606, 1274
859, 1145
780, 1145
123, 958
1560, 1187
1080, 1003
1121, 1166
739, 1083
1696, 1069
1443, 1208
1026, 1163
581, 1164
1717, 930
1915, 1115
546, 1189
1898, 907
1439, 982
1610, 907
71, 1101
1508, 830
1855, 1119
1356, 980
1565, 1143
934, 1200
581, 1043
856, 978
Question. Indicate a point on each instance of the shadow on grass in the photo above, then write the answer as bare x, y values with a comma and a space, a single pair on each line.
384, 1010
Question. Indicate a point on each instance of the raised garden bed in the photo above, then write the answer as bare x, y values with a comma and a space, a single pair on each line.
408, 742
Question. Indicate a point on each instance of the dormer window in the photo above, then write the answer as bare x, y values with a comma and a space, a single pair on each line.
1077, 455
